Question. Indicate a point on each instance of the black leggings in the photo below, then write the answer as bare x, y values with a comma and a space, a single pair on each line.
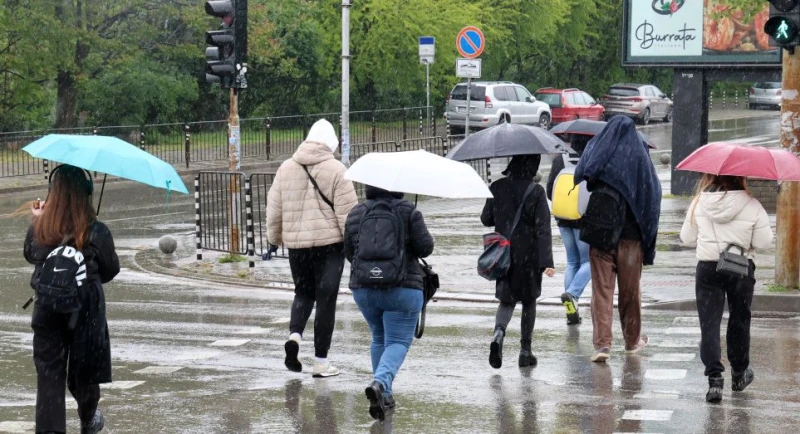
711, 289
317, 273
504, 313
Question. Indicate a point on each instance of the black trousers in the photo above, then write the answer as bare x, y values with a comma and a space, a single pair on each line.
53, 341
317, 274
528, 321
711, 289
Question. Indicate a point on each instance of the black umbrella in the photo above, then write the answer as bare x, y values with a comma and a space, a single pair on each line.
585, 127
506, 140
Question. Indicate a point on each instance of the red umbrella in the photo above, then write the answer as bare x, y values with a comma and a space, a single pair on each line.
736, 159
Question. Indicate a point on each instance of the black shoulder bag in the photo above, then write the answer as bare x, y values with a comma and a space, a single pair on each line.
316, 187
494, 262
730, 263
430, 283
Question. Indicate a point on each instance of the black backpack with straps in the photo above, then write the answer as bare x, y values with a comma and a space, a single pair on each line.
62, 275
380, 257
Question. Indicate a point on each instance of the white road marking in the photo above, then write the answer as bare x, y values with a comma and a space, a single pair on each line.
17, 426
122, 385
677, 344
158, 370
229, 343
653, 415
672, 357
665, 374
683, 331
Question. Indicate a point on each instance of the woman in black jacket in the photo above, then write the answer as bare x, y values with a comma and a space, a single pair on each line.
531, 251
71, 348
391, 312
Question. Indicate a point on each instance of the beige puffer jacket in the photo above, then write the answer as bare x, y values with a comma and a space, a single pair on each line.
297, 217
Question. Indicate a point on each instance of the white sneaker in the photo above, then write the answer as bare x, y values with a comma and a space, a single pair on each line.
324, 370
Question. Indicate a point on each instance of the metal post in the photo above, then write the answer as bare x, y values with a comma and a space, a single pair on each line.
489, 171
405, 123
787, 252
346, 82
469, 106
197, 242
248, 204
374, 129
187, 144
45, 166
268, 133
428, 91
434, 124
234, 164
141, 138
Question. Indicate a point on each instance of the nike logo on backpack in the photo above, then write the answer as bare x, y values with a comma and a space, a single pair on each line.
56, 270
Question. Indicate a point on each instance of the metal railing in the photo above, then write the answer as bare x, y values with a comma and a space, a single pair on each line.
220, 211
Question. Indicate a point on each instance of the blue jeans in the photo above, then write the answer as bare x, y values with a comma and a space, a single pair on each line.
392, 316
578, 272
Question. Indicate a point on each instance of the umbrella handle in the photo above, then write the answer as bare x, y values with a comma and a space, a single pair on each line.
100, 200
169, 192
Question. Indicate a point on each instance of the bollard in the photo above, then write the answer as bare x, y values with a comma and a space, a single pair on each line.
141, 138
711, 101
489, 171
45, 165
724, 98
197, 243
374, 128
421, 133
268, 138
187, 144
167, 245
249, 230
405, 123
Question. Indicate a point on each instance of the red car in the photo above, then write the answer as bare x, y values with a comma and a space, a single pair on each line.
570, 104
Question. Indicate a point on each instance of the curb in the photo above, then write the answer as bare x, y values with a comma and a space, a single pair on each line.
784, 303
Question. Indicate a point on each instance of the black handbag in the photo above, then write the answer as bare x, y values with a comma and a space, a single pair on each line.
494, 262
730, 263
733, 264
430, 284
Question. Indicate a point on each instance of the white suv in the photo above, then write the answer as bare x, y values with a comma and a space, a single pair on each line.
493, 102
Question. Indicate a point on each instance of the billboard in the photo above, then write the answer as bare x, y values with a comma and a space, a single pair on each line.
697, 33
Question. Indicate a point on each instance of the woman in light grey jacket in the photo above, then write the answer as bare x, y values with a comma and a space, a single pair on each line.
723, 213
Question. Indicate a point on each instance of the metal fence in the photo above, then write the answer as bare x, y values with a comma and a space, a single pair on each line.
220, 212
274, 137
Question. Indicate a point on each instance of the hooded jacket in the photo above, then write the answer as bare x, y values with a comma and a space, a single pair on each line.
297, 216
717, 219
420, 241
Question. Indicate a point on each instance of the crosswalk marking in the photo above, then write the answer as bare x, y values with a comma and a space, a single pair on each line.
648, 415
158, 370
14, 426
673, 357
683, 331
122, 385
229, 343
665, 374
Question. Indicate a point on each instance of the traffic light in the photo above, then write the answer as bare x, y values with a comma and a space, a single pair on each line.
783, 26
226, 56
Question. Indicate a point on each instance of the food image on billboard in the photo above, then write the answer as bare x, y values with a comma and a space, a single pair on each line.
731, 29
697, 32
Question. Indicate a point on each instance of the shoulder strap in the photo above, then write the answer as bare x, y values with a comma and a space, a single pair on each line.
518, 216
316, 187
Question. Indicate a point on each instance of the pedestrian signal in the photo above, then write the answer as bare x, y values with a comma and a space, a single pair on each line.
783, 26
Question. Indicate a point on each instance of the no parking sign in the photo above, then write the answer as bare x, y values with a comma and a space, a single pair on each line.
470, 42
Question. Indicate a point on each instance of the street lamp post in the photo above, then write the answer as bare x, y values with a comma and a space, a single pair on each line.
346, 82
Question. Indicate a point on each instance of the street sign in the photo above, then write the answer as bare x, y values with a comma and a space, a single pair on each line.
470, 42
468, 68
427, 49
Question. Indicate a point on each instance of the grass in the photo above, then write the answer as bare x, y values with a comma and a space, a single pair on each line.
231, 258
775, 288
243, 274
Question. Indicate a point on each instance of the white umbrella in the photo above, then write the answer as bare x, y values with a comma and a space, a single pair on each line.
418, 172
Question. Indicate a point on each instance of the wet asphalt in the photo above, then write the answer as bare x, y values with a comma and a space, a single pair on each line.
197, 357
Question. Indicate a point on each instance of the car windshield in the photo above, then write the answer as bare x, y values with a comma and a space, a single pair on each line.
551, 99
768, 85
476, 94
623, 91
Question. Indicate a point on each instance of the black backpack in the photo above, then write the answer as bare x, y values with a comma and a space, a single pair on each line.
62, 275
602, 223
380, 258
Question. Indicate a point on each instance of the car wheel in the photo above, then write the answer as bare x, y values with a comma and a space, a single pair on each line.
456, 131
645, 118
544, 121
505, 118
668, 117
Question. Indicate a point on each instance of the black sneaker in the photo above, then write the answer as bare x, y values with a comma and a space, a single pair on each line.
95, 426
715, 385
496, 349
742, 379
573, 317
292, 350
377, 406
388, 402
526, 359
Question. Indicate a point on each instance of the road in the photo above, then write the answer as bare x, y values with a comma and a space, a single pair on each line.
198, 357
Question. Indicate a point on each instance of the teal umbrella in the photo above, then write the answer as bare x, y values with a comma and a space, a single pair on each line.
109, 155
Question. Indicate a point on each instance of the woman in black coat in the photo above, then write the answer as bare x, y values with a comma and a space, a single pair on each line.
71, 348
531, 251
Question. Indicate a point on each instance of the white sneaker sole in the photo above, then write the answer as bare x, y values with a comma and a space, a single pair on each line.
325, 375
601, 357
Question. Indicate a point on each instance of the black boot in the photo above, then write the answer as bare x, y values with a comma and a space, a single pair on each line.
742, 379
715, 385
526, 358
377, 407
496, 348
95, 425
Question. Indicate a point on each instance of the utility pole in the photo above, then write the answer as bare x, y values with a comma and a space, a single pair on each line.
234, 164
346, 82
787, 253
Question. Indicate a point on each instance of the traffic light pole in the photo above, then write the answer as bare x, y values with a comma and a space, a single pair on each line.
787, 253
234, 164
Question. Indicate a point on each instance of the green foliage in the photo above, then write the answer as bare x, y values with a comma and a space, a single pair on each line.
230, 258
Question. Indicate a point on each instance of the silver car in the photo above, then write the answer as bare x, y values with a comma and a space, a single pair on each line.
492, 102
642, 102
765, 94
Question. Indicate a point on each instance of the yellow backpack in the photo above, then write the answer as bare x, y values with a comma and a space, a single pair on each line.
569, 200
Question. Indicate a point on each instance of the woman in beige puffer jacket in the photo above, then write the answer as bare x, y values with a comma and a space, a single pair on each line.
309, 221
724, 213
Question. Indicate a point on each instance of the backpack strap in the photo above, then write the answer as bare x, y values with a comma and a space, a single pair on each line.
518, 216
316, 187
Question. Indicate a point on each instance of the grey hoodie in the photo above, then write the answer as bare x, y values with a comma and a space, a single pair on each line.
717, 219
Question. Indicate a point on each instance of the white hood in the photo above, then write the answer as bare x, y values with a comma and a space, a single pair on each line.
322, 132
723, 207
